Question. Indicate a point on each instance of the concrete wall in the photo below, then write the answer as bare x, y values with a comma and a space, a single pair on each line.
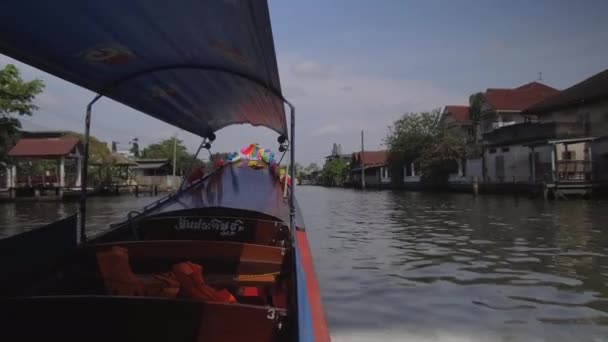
372, 178
599, 152
516, 163
467, 171
474, 168
596, 114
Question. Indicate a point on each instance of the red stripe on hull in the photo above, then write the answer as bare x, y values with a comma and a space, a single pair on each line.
320, 330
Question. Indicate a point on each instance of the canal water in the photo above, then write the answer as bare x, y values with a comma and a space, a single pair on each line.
409, 266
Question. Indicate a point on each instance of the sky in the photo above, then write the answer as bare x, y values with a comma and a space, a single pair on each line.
359, 65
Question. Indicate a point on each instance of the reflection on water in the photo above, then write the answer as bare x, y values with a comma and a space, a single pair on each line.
433, 267
451, 267
101, 211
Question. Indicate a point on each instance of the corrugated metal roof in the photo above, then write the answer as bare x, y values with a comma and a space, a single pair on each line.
47, 147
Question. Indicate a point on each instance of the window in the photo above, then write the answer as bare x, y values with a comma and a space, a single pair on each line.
505, 149
492, 151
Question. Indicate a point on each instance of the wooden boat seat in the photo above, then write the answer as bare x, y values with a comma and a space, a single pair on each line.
100, 318
216, 256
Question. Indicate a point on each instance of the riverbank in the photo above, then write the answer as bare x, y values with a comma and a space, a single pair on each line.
547, 191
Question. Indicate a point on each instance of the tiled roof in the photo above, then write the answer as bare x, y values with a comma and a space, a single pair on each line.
48, 147
371, 157
518, 98
459, 113
591, 89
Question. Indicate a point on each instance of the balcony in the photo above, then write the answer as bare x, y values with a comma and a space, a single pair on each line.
533, 131
575, 170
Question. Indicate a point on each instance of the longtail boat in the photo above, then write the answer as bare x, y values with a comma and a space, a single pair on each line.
225, 257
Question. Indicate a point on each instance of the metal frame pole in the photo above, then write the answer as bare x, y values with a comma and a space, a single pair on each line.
292, 157
84, 172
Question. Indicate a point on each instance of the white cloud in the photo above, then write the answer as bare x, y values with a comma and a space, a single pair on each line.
309, 68
341, 103
332, 128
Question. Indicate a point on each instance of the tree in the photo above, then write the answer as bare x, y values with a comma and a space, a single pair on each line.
475, 102
410, 135
334, 173
418, 137
101, 162
440, 159
16, 98
164, 150
312, 167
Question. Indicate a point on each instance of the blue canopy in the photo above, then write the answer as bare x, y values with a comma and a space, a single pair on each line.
200, 65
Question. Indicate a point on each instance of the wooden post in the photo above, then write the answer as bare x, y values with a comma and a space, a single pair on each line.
8, 178
362, 163
62, 172
79, 171
554, 175
475, 186
13, 176
136, 190
533, 163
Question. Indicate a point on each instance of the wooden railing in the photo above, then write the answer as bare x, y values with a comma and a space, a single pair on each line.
575, 170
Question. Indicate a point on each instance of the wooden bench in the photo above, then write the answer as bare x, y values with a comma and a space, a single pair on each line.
215, 256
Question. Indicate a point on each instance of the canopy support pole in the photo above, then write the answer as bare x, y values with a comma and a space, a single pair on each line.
292, 162
106, 90
84, 170
191, 167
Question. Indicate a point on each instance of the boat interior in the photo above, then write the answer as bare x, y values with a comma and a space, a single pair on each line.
212, 274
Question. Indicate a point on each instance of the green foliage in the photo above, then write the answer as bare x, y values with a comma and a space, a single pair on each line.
439, 160
475, 102
9, 132
410, 135
303, 172
99, 154
419, 138
16, 97
334, 173
164, 150
101, 163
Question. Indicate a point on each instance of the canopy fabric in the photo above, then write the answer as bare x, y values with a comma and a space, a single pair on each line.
237, 186
199, 65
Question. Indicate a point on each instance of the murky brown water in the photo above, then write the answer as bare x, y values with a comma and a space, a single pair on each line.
435, 267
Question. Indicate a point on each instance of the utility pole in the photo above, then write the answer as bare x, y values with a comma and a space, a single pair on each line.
362, 164
174, 152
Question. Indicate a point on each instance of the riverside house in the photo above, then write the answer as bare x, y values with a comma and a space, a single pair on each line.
576, 158
375, 167
506, 132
